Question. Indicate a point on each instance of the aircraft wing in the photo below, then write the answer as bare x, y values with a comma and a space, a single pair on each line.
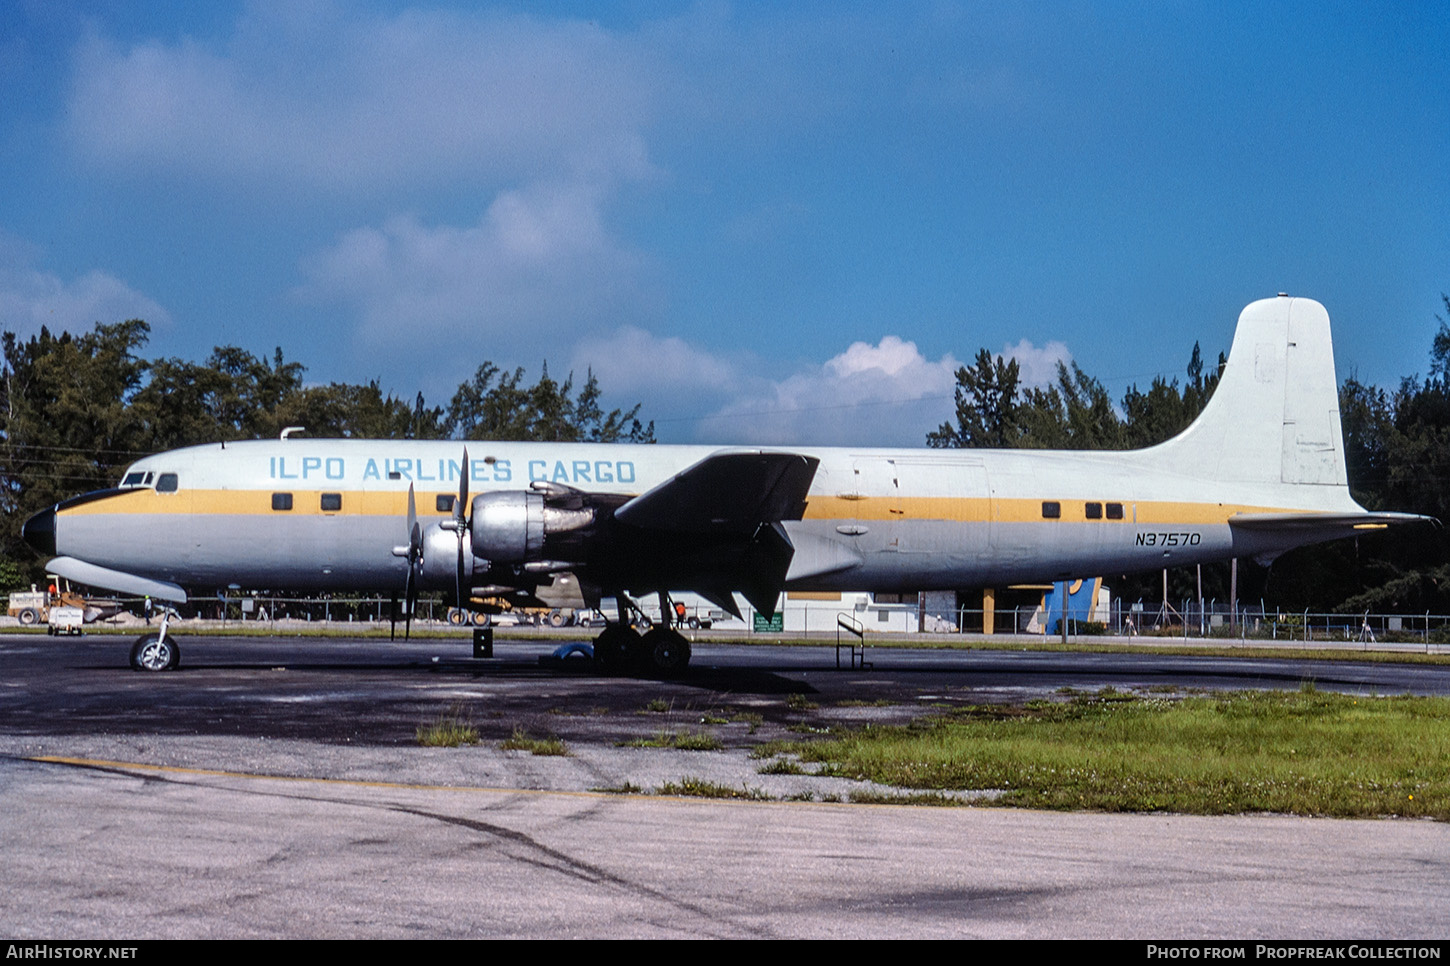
727, 492
95, 576
715, 527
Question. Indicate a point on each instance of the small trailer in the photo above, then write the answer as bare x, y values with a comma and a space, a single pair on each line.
65, 619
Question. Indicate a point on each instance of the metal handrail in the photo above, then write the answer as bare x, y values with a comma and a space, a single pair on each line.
849, 624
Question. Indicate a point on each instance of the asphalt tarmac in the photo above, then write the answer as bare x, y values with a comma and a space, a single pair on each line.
274, 787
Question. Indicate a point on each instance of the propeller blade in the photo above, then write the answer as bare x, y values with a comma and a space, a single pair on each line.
462, 604
460, 506
413, 552
415, 542
410, 599
460, 519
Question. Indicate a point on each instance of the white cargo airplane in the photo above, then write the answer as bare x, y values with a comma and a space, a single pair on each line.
1261, 471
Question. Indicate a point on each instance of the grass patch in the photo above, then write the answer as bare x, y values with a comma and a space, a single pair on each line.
748, 718
1304, 753
521, 740
700, 788
624, 788
781, 766
448, 730
682, 740
658, 706
799, 702
697, 741
862, 797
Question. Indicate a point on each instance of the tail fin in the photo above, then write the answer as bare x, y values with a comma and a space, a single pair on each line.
1274, 417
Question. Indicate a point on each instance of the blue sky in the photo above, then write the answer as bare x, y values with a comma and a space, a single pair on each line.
767, 222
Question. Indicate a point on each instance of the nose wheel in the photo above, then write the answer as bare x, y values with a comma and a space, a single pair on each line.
152, 652
157, 651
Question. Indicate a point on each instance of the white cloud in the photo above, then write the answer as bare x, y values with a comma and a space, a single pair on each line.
539, 265
882, 394
1037, 367
631, 361
30, 298
540, 119
319, 96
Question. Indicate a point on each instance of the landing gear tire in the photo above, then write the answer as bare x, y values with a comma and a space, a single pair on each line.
665, 651
151, 653
614, 647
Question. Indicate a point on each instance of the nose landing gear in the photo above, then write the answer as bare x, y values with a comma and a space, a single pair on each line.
156, 651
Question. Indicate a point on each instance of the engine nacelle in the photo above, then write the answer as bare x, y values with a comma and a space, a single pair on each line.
440, 558
509, 526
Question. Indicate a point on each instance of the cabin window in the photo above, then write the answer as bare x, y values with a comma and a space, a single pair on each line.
281, 501
166, 483
1115, 511
331, 502
445, 503
1093, 511
1051, 510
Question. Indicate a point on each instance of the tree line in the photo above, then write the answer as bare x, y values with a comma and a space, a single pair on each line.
1397, 453
75, 410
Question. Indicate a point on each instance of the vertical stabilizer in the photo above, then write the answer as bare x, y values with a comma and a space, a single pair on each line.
1274, 417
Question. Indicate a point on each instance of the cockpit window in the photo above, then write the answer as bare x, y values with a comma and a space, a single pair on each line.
133, 479
166, 483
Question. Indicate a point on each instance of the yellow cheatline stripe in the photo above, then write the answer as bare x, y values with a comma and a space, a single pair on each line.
259, 502
1019, 510
876, 508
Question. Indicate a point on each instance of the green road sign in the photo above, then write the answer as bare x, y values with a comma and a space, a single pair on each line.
769, 625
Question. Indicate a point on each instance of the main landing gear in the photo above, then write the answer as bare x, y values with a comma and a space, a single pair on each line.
156, 651
660, 650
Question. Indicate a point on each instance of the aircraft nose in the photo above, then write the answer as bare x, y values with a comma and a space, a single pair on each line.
39, 532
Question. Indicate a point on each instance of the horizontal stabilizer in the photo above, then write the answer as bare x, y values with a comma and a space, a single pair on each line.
1342, 523
727, 492
118, 580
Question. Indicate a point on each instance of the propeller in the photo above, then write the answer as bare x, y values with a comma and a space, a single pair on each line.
413, 552
459, 524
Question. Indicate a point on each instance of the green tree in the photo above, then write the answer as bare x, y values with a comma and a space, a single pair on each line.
987, 401
1076, 413
496, 405
68, 426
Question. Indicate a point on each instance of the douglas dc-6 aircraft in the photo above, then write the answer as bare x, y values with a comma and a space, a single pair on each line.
1261, 471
